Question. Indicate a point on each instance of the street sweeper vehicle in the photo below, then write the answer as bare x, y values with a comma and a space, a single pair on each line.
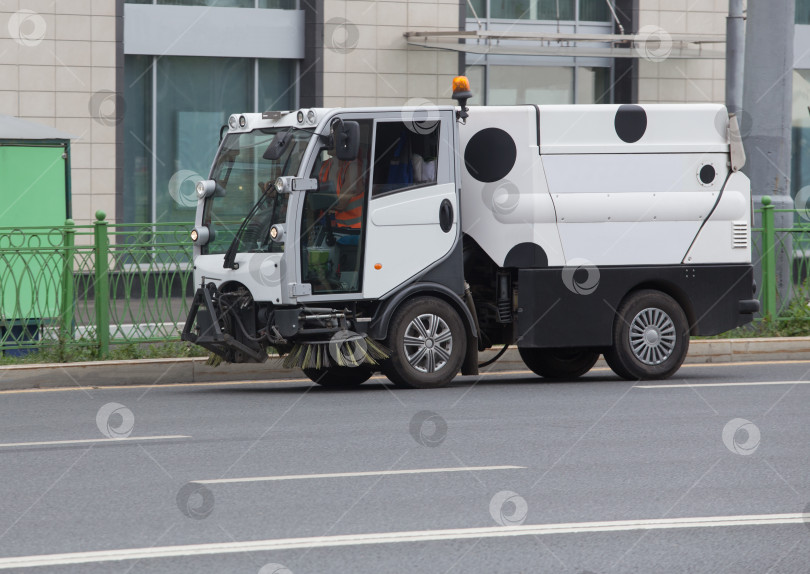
407, 240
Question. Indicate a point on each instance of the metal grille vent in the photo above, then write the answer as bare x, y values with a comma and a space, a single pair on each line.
740, 237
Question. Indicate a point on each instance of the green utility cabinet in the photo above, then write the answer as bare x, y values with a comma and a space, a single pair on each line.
34, 192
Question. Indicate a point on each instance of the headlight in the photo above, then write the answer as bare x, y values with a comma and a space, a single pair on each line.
280, 185
233, 122
311, 117
242, 121
201, 235
300, 117
205, 188
277, 233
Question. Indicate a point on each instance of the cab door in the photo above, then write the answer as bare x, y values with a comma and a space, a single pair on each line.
332, 230
412, 218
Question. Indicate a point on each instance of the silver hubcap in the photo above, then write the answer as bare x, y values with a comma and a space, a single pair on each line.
652, 336
428, 343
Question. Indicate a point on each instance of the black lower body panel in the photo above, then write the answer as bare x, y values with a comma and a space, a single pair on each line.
563, 307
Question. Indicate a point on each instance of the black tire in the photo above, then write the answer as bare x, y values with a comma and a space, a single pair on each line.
339, 377
425, 365
660, 337
559, 363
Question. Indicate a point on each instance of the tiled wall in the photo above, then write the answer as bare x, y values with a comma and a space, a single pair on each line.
366, 58
681, 80
58, 68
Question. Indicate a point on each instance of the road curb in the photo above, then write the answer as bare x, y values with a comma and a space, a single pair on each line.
194, 370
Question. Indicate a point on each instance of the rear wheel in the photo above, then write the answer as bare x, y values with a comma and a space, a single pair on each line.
650, 337
559, 363
337, 377
427, 341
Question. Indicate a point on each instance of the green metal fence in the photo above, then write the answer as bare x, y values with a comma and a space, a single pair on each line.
787, 294
93, 285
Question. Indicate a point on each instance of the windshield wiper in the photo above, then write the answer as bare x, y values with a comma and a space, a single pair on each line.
229, 261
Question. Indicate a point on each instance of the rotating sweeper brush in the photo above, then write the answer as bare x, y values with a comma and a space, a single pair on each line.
345, 349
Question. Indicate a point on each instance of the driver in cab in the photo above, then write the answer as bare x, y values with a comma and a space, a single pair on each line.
347, 179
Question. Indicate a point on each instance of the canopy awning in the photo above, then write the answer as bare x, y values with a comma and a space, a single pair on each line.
12, 128
657, 45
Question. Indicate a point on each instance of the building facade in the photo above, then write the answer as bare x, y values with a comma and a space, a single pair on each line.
144, 85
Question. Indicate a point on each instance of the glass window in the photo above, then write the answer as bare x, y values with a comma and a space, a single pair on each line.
332, 229
478, 85
800, 176
480, 9
533, 9
593, 85
511, 85
803, 11
276, 85
138, 139
594, 11
284, 4
405, 158
194, 98
244, 177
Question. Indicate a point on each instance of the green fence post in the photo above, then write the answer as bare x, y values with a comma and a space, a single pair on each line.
768, 259
102, 284
67, 303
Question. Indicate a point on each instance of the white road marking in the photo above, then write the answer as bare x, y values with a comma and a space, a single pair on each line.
393, 537
701, 385
350, 474
94, 440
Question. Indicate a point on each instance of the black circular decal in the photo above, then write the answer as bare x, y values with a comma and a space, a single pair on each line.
707, 174
490, 155
630, 122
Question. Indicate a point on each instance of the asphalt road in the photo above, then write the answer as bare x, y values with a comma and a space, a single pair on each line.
701, 473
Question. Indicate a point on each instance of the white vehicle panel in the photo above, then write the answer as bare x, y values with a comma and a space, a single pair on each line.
261, 273
629, 243
632, 173
414, 207
517, 208
661, 196
592, 129
404, 237
634, 207
726, 236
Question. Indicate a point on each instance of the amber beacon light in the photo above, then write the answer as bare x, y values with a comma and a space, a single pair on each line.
461, 93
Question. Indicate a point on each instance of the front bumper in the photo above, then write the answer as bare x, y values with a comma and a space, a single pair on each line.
207, 327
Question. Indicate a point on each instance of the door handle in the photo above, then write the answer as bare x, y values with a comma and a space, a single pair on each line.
446, 215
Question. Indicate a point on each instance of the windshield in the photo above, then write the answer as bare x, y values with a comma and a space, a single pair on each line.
244, 175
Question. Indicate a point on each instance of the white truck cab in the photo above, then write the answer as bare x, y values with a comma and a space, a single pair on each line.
409, 239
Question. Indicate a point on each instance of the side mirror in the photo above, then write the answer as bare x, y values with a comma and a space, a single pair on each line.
347, 140
278, 146
287, 183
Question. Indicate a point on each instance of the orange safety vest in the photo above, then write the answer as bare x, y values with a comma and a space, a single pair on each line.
352, 215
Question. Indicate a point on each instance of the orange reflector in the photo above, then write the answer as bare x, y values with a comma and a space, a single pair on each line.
461, 84
377, 266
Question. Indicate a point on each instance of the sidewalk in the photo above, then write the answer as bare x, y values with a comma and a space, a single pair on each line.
194, 370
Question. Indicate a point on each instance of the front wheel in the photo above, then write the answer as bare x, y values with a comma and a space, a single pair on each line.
559, 363
650, 337
428, 343
339, 377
